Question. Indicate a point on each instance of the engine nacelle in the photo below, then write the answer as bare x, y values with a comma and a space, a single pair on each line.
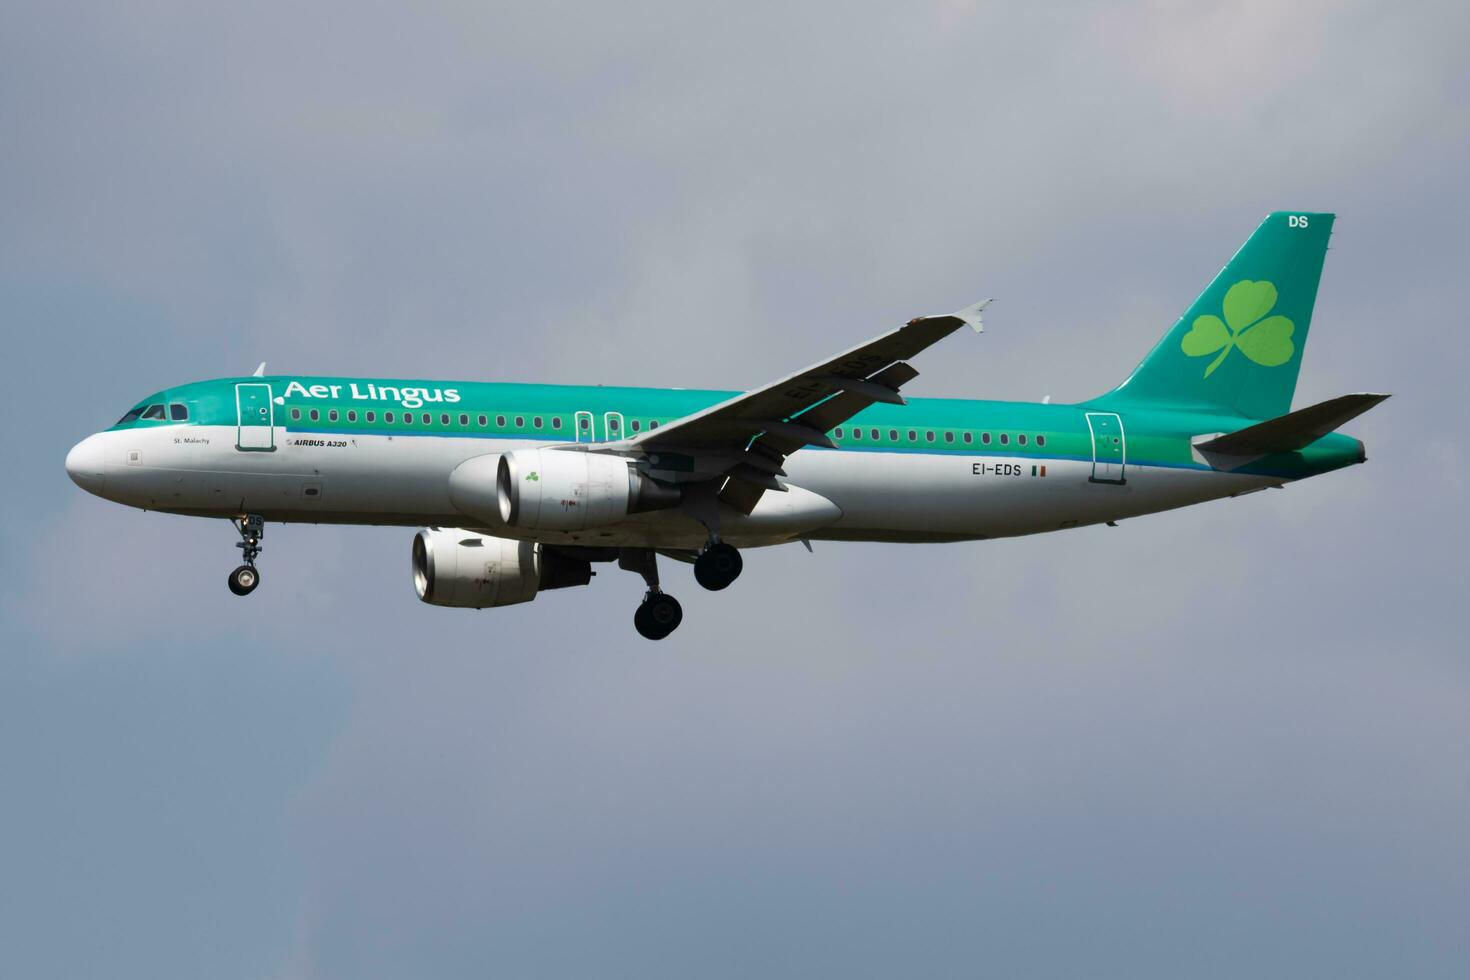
563, 490
476, 571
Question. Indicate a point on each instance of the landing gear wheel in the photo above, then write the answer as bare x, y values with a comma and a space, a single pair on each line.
244, 579
718, 566
658, 616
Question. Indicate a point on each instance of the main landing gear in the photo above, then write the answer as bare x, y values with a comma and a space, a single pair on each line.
244, 579
660, 613
717, 566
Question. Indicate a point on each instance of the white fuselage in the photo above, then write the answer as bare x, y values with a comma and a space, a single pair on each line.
834, 494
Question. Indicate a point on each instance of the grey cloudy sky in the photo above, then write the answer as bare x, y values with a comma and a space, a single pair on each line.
1229, 741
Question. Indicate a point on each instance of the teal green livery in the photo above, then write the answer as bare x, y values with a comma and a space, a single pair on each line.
520, 488
1238, 349
596, 414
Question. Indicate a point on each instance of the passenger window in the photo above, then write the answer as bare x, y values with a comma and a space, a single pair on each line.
520, 421
969, 438
1004, 438
500, 421
857, 433
295, 415
444, 419
373, 417
153, 412
332, 415
1021, 438
949, 437
536, 421
387, 416
985, 438
1041, 440
408, 418
464, 421
315, 415
929, 436
482, 420
653, 424
556, 421
612, 425
874, 434
636, 425
892, 435
178, 413
352, 415
837, 432
913, 436
583, 423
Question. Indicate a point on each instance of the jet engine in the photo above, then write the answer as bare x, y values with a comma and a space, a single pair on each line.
562, 490
476, 571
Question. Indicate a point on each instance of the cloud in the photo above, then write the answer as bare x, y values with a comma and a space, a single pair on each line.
1224, 737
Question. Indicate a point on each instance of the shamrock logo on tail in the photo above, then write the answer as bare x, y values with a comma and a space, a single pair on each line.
1264, 339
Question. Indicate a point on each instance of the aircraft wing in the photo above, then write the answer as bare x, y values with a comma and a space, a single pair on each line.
748, 437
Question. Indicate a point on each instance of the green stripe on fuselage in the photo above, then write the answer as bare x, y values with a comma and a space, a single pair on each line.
1153, 437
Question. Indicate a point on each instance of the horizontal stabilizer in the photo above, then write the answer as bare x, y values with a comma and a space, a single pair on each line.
1294, 430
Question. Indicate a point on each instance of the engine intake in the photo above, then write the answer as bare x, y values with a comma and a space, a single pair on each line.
459, 568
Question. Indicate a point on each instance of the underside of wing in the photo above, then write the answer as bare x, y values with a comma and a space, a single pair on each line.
744, 440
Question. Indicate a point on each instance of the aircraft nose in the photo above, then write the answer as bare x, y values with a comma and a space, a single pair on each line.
85, 464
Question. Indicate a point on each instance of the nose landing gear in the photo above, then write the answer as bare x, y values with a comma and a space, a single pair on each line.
244, 579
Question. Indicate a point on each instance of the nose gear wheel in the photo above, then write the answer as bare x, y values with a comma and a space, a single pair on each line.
245, 578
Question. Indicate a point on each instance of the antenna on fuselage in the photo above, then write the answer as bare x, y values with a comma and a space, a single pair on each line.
260, 371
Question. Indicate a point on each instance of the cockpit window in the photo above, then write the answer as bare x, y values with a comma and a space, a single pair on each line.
153, 412
178, 413
132, 416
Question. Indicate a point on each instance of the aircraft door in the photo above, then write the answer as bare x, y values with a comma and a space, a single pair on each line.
255, 418
1109, 450
612, 426
582, 427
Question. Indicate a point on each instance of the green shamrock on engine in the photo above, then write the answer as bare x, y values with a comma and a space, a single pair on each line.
1266, 340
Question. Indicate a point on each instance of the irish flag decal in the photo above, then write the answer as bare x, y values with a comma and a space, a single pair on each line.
1038, 471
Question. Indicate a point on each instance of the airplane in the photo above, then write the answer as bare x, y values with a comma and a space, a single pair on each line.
522, 488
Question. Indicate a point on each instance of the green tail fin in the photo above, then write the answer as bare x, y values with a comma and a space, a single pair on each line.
1238, 348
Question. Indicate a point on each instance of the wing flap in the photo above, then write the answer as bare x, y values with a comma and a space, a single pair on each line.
843, 406
741, 495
